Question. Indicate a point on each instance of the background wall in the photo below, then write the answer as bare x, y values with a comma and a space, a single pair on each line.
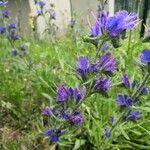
82, 9
19, 10
22, 9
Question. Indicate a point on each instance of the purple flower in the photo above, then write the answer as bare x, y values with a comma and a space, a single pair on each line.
62, 93
3, 3
82, 65
2, 30
148, 31
52, 14
5, 13
76, 118
23, 47
107, 133
111, 119
39, 12
53, 135
145, 56
14, 52
121, 21
47, 111
70, 92
78, 94
106, 46
125, 80
145, 90
102, 84
102, 17
124, 100
64, 115
93, 67
134, 115
13, 35
108, 63
41, 3
12, 25
95, 30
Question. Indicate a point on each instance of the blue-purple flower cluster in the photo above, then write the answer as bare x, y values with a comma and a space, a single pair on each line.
64, 96
95, 75
128, 100
113, 25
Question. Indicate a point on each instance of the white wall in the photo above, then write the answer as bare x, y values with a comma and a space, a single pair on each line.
83, 8
63, 12
63, 15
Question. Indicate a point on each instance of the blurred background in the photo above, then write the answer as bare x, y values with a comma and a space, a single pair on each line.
23, 10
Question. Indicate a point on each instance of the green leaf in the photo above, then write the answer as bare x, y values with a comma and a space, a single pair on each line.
78, 144
146, 109
47, 96
124, 133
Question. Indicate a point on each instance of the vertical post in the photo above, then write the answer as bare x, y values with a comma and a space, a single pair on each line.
145, 14
126, 4
111, 6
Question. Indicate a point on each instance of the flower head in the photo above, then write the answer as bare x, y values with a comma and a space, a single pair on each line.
53, 135
125, 80
121, 21
3, 3
2, 30
47, 111
145, 90
76, 118
64, 115
62, 93
102, 84
52, 14
5, 13
106, 46
23, 47
134, 115
124, 100
12, 25
108, 63
13, 35
148, 31
93, 67
79, 93
111, 119
95, 30
102, 18
145, 56
14, 52
107, 133
41, 3
82, 65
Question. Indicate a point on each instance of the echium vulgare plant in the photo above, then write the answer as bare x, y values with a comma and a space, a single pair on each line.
96, 78
48, 14
8, 30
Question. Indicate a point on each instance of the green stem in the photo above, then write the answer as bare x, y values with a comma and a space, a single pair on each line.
129, 44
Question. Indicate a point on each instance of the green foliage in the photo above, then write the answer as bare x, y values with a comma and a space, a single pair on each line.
28, 84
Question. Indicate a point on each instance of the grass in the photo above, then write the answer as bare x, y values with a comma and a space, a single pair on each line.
27, 84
